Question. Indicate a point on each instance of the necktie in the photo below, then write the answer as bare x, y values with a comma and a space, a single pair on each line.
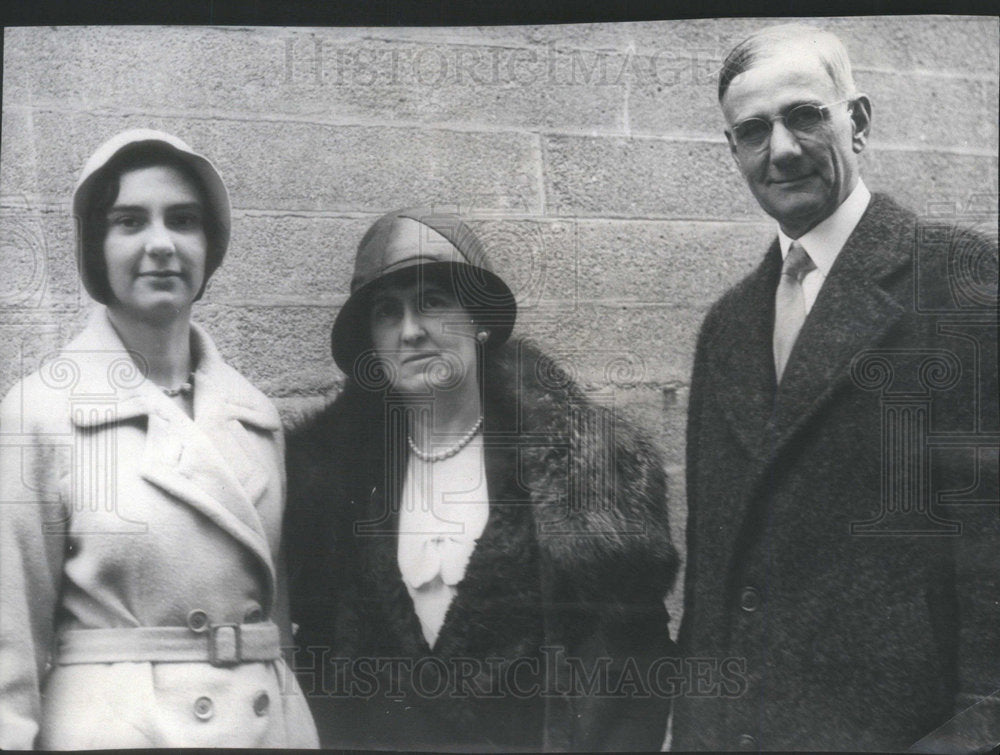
790, 304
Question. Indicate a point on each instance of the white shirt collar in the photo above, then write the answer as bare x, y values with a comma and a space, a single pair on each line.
824, 242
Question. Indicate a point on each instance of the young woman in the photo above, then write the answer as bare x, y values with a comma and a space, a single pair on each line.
480, 553
142, 490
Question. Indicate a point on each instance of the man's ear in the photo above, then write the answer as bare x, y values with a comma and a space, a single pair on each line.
861, 120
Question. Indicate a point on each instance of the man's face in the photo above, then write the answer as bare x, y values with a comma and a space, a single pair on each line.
798, 179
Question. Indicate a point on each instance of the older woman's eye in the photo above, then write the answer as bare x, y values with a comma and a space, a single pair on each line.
433, 301
386, 309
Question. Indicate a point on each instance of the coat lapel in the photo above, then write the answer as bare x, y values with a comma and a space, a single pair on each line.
743, 359
221, 417
200, 464
181, 460
853, 312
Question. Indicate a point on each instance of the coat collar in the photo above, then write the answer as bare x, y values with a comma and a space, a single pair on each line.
202, 462
853, 312
588, 505
106, 371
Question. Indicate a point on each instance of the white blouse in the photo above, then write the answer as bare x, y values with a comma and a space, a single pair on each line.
443, 512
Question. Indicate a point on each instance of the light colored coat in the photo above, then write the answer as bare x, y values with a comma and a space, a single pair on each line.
117, 510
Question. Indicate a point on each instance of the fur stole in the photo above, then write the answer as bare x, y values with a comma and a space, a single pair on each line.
596, 484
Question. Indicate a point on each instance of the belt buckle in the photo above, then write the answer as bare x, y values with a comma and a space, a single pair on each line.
225, 648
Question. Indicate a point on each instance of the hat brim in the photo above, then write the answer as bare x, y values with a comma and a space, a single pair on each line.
482, 293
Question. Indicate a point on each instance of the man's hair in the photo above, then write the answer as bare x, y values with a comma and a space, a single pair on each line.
756, 48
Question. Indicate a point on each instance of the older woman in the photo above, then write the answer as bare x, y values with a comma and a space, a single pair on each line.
480, 553
142, 489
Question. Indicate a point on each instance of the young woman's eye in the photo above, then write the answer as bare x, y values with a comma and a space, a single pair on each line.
125, 222
186, 221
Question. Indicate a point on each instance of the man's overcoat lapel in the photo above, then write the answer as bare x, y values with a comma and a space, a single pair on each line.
743, 357
853, 312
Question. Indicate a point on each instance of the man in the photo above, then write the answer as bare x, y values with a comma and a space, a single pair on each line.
844, 528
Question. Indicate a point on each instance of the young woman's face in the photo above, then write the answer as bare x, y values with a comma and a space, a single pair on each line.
155, 247
423, 337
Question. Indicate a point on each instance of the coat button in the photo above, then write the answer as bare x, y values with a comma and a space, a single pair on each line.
261, 702
203, 708
746, 742
197, 620
253, 615
749, 599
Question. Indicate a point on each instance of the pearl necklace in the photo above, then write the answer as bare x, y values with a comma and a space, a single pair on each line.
448, 452
184, 389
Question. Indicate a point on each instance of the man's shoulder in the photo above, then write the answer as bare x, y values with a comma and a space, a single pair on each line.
749, 289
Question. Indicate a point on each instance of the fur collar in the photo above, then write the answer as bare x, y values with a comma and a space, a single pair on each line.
596, 484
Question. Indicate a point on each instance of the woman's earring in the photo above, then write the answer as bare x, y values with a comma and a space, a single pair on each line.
483, 336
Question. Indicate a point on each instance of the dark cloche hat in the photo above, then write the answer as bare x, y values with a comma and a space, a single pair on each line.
462, 263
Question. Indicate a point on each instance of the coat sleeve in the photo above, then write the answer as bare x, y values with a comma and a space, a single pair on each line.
976, 721
623, 628
281, 609
699, 377
977, 554
32, 543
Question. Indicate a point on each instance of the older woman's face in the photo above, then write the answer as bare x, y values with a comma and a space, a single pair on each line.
155, 247
423, 337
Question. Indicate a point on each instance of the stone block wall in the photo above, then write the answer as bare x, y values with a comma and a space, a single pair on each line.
591, 157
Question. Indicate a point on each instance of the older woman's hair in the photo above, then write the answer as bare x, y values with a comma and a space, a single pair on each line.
808, 40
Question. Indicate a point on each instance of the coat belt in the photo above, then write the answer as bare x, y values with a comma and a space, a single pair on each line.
218, 644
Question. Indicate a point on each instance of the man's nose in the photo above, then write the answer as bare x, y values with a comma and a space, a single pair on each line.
784, 143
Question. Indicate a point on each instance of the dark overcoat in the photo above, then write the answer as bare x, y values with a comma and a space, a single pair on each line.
556, 629
843, 531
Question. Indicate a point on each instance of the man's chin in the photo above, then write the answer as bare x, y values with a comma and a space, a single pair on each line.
796, 220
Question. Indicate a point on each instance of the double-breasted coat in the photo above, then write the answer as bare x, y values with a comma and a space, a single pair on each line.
119, 511
843, 530
557, 637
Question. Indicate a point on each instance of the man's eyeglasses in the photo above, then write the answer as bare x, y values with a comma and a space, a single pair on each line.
802, 120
